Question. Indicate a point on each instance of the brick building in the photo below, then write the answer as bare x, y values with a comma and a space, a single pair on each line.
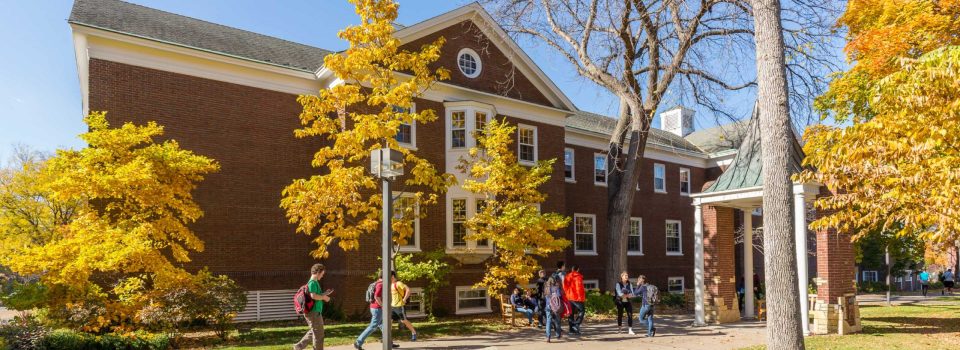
230, 95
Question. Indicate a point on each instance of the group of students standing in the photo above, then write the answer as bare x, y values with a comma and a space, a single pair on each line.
562, 295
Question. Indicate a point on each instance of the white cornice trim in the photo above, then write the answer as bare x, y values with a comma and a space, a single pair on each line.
653, 152
474, 12
83, 69
123, 48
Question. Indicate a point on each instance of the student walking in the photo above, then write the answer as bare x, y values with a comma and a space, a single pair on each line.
522, 304
314, 316
576, 295
540, 296
924, 282
555, 307
948, 281
649, 295
373, 297
400, 296
623, 292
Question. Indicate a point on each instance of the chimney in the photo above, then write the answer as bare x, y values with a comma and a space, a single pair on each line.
677, 120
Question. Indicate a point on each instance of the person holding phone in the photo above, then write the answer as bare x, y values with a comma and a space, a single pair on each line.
314, 316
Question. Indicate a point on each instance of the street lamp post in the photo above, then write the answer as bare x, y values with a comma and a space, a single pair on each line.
386, 164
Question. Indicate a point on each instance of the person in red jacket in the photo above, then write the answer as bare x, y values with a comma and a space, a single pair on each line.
576, 295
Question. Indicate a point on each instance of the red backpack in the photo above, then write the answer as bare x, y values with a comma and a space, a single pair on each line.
302, 301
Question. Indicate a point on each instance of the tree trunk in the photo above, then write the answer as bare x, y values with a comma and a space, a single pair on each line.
780, 259
623, 172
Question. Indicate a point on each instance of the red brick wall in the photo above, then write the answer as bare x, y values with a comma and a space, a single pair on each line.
718, 253
497, 68
835, 265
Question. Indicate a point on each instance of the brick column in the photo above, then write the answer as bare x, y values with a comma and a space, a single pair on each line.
719, 265
835, 274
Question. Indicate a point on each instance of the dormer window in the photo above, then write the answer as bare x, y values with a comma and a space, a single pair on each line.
469, 63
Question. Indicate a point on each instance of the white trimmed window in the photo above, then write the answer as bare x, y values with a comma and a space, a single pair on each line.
600, 169
591, 285
870, 276
483, 243
674, 240
472, 300
469, 63
406, 133
584, 234
458, 208
568, 164
458, 129
635, 237
405, 205
414, 307
675, 285
659, 178
526, 144
479, 122
685, 181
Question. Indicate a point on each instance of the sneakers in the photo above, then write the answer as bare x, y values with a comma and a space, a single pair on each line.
413, 337
630, 331
357, 346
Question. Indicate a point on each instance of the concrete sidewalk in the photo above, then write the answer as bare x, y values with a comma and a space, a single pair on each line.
673, 332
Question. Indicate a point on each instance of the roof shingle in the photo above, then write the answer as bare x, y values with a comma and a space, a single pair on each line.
604, 125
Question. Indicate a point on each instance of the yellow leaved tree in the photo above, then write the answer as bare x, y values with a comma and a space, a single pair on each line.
509, 216
895, 157
360, 113
130, 200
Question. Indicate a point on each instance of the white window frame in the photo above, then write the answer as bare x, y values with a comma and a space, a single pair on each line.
606, 176
415, 248
573, 163
864, 273
469, 126
663, 169
476, 58
592, 217
422, 312
412, 145
596, 283
674, 279
451, 129
629, 227
535, 148
471, 210
466, 203
472, 310
689, 182
679, 237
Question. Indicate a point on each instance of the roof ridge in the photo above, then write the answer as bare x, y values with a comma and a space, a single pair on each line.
198, 20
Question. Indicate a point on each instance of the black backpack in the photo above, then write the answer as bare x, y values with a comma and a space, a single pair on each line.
371, 289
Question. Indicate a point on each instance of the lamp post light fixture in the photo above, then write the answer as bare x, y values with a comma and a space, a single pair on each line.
386, 164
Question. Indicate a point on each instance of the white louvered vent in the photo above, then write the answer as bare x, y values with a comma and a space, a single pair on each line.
268, 305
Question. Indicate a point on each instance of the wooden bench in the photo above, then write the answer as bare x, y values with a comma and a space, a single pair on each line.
762, 309
507, 311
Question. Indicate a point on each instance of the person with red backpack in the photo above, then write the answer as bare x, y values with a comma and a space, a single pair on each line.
374, 296
554, 307
650, 296
576, 295
309, 302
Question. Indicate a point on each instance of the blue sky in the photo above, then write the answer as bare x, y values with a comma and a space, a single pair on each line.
39, 88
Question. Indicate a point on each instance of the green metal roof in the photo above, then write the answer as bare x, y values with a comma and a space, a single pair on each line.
746, 170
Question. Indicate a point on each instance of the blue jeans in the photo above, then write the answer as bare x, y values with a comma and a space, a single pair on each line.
553, 324
526, 312
376, 321
646, 313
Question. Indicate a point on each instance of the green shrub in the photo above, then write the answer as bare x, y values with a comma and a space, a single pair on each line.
209, 300
72, 340
599, 303
3, 344
673, 301
871, 287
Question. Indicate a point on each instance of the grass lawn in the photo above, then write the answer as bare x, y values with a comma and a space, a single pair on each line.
900, 327
284, 335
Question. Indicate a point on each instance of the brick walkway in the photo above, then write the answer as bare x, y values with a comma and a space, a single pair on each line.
673, 332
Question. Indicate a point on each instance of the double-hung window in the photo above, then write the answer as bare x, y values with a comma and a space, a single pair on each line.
675, 285
585, 233
458, 129
406, 132
674, 240
459, 219
659, 178
472, 300
635, 237
526, 144
481, 204
600, 169
685, 181
568, 164
406, 207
